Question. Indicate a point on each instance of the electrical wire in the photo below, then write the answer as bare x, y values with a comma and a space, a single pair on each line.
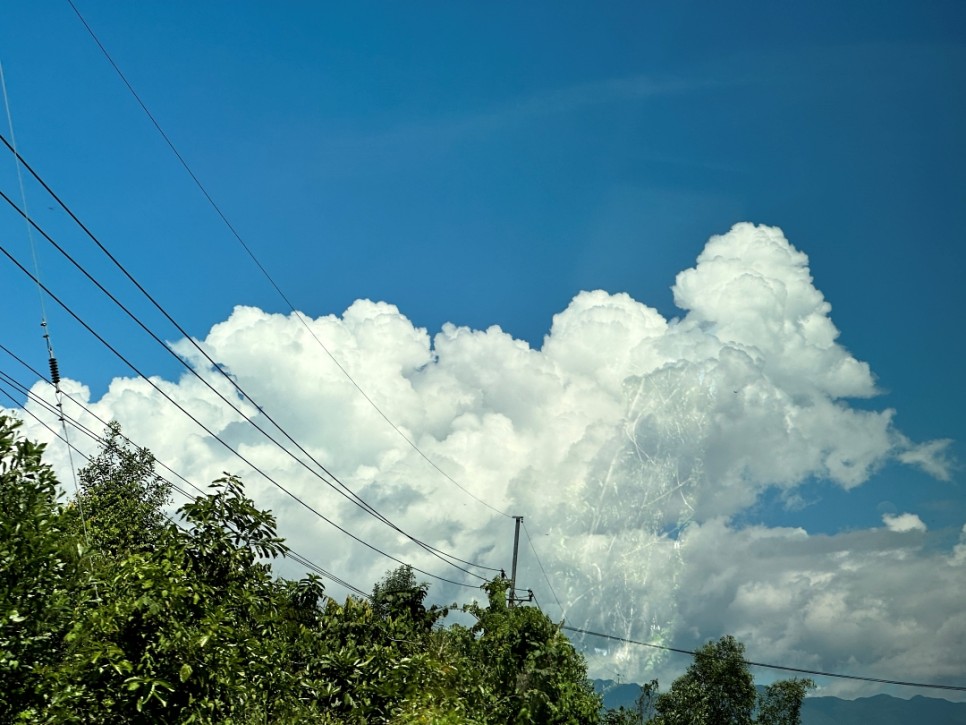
328, 575
96, 438
822, 673
214, 435
540, 564
54, 373
23, 192
262, 268
291, 553
26, 391
800, 670
346, 492
295, 556
6, 378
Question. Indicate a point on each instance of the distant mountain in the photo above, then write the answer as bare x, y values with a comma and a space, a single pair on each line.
880, 709
615, 695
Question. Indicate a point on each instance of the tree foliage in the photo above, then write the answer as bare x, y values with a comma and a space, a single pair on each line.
155, 622
532, 669
122, 497
40, 575
718, 689
643, 709
399, 596
180, 626
781, 704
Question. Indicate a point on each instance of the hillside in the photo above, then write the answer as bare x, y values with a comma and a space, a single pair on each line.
879, 709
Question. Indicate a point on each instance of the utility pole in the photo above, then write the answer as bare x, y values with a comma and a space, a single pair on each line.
513, 570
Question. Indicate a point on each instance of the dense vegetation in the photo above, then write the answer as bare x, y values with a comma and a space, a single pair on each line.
109, 613
716, 689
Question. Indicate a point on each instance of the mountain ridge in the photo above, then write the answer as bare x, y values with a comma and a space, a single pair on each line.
825, 710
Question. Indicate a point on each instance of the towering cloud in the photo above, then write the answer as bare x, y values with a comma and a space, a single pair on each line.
628, 442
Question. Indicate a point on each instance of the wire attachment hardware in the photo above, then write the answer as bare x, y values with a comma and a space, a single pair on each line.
54, 371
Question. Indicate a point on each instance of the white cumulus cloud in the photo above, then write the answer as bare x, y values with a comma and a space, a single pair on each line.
903, 522
627, 441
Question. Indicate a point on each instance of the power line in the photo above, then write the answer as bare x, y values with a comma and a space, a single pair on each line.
546, 578
262, 268
26, 391
214, 435
10, 380
23, 194
52, 360
347, 493
765, 665
295, 556
800, 670
289, 553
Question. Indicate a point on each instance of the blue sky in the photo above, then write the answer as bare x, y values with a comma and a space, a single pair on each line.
482, 165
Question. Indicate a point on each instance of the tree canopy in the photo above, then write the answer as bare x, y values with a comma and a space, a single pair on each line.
122, 497
133, 618
717, 689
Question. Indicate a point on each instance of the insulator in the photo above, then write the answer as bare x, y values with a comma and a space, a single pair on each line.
54, 371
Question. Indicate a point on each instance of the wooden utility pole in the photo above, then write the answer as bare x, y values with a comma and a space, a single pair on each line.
513, 571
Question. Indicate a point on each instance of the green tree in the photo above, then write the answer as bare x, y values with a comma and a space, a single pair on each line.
781, 703
717, 689
642, 711
530, 670
184, 631
39, 572
122, 497
399, 596
189, 625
